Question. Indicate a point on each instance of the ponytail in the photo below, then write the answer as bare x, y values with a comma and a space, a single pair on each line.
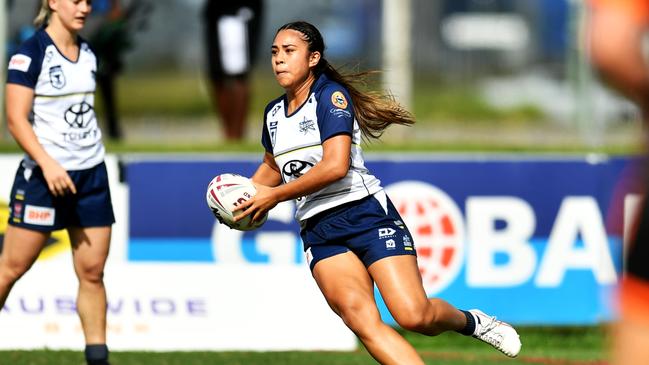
375, 111
43, 14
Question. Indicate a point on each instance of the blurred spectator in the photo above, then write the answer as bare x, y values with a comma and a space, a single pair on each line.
617, 29
232, 30
111, 39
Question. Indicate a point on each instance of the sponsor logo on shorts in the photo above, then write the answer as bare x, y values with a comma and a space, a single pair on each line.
390, 244
41, 216
20, 62
386, 232
17, 210
407, 243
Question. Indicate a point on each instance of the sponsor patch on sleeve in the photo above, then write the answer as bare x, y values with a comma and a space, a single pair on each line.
338, 99
20, 62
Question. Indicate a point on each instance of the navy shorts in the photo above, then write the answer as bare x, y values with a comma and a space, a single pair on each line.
32, 206
371, 228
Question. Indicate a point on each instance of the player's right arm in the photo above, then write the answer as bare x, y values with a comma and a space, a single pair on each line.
19, 101
268, 172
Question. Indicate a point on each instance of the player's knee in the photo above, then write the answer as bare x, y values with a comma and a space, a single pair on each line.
11, 272
93, 273
356, 313
414, 317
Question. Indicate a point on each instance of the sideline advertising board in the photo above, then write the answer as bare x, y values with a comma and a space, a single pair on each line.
532, 240
165, 305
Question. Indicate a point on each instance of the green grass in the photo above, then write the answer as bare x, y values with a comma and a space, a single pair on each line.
541, 345
160, 94
185, 95
151, 100
436, 100
9, 146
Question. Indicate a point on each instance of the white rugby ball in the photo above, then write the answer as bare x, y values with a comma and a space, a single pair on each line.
225, 193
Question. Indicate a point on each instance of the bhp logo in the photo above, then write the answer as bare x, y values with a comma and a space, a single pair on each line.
41, 216
437, 226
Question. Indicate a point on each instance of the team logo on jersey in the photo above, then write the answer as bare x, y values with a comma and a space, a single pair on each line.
307, 125
57, 78
339, 100
79, 115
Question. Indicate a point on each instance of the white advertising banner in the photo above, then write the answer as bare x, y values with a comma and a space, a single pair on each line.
164, 306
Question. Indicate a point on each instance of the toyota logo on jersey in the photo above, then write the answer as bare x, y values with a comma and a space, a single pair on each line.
437, 227
79, 115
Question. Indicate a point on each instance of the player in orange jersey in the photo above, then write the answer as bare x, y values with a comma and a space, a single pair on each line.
616, 32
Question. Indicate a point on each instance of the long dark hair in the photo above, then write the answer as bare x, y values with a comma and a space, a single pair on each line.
375, 111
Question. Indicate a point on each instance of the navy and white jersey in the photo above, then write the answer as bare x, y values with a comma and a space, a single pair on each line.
296, 143
63, 115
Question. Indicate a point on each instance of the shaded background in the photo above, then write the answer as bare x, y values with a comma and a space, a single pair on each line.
478, 66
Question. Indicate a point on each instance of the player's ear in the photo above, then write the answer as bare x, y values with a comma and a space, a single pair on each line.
314, 58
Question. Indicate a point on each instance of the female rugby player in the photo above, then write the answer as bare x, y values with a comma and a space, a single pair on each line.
62, 181
353, 235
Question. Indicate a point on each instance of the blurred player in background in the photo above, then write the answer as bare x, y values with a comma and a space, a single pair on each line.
616, 32
353, 235
232, 30
62, 180
110, 40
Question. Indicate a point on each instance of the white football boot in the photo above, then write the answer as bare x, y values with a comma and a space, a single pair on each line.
498, 334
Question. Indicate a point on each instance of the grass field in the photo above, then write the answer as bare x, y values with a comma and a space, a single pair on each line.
172, 112
541, 346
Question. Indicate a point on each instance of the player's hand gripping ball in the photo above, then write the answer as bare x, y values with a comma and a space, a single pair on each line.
225, 193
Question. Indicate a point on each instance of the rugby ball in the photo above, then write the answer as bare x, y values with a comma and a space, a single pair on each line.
225, 193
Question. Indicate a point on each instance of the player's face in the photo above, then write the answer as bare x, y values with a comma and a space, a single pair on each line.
291, 59
71, 13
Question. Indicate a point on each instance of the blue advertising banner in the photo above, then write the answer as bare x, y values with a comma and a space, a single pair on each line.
533, 240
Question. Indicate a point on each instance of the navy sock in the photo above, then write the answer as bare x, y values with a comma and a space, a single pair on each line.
97, 354
469, 329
